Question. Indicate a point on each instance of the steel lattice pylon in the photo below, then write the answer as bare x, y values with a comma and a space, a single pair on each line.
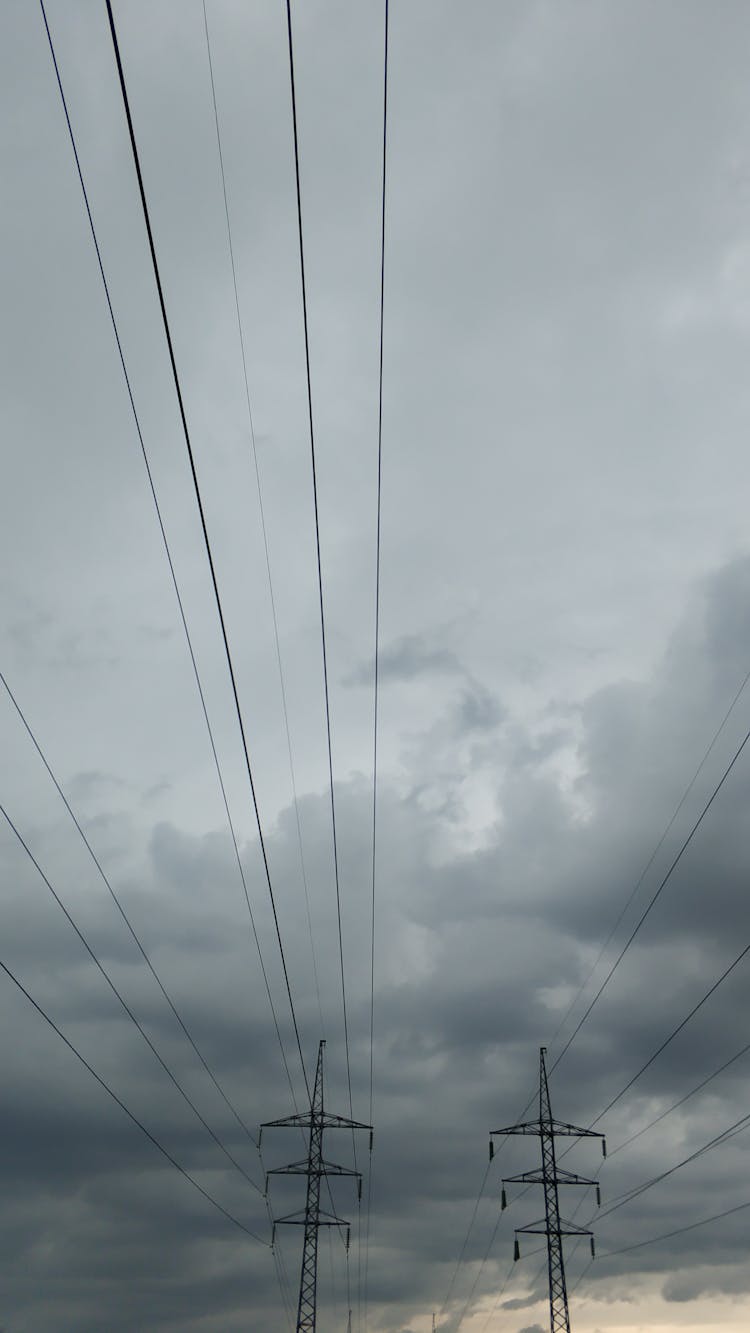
551, 1176
315, 1168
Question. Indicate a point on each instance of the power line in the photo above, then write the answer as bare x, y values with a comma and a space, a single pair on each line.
683, 1023
256, 468
123, 1002
204, 527
675, 862
165, 542
317, 550
621, 1200
661, 886
675, 1105
680, 1231
469, 1229
152, 1137
116, 900
686, 793
377, 637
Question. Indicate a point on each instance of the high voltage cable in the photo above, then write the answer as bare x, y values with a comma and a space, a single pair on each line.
377, 636
672, 867
675, 1105
628, 1196
204, 527
680, 1231
116, 900
256, 468
165, 542
152, 1137
124, 1004
706, 755
317, 549
742, 954
656, 895
630, 940
662, 1047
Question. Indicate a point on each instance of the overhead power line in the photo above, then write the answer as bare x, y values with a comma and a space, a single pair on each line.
718, 1139
317, 550
675, 1031
675, 814
681, 1102
165, 542
124, 1004
261, 509
662, 885
118, 904
204, 526
131, 1116
679, 1231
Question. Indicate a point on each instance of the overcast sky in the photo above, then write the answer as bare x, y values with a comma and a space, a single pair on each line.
565, 621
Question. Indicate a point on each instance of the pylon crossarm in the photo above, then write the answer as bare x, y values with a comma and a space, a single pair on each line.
331, 1220
333, 1169
559, 1127
564, 1229
288, 1122
536, 1177
291, 1219
328, 1121
293, 1169
527, 1127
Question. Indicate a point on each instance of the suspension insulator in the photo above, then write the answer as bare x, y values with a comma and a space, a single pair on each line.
503, 1200
492, 1150
516, 1251
593, 1248
598, 1197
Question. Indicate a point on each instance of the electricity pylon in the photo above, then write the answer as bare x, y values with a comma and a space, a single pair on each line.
315, 1167
551, 1176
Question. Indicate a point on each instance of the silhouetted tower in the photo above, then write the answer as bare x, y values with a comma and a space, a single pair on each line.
312, 1217
551, 1177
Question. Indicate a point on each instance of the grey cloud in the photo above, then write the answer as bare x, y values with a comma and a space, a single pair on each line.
408, 658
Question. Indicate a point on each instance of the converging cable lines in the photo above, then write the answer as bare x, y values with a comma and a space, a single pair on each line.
167, 551
319, 563
662, 885
204, 528
701, 765
261, 509
124, 1004
131, 1116
376, 681
116, 900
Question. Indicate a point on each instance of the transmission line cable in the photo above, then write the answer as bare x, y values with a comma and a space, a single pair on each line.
261, 510
204, 527
678, 808
628, 1196
167, 550
118, 904
123, 1002
318, 555
668, 1040
676, 1105
131, 1116
662, 885
680, 1231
